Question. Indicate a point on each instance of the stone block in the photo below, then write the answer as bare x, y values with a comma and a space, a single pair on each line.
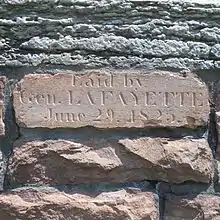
3, 167
108, 161
217, 156
198, 206
109, 99
47, 204
217, 114
2, 86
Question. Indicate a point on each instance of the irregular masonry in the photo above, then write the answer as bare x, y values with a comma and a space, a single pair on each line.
205, 207
111, 99
53, 204
109, 37
217, 114
61, 162
2, 85
117, 33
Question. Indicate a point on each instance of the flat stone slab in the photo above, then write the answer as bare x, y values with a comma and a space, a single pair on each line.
111, 99
2, 85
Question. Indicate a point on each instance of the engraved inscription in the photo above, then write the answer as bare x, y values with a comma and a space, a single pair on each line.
92, 81
111, 100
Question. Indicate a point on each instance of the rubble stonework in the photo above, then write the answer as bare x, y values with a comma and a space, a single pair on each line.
53, 204
192, 207
109, 109
61, 162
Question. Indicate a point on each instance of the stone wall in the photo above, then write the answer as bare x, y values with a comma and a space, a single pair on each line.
109, 109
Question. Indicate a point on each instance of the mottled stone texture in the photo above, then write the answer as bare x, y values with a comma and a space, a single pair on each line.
2, 108
193, 207
3, 166
52, 37
217, 115
110, 161
33, 204
117, 33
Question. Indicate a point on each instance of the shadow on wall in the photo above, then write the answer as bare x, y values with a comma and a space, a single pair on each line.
87, 133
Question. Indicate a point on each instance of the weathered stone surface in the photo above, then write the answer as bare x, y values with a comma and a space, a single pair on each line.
3, 166
218, 122
33, 204
143, 47
2, 85
218, 143
193, 207
60, 162
216, 89
116, 33
123, 99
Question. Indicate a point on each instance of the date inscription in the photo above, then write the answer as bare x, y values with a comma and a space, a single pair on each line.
108, 100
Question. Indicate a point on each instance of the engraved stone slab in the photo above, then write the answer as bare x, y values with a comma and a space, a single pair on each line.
2, 85
107, 100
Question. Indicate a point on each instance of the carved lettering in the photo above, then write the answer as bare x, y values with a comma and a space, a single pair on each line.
102, 98
70, 97
198, 99
98, 118
37, 98
144, 115
122, 99
93, 82
90, 98
105, 115
159, 114
150, 98
109, 100
64, 116
135, 98
178, 99
23, 99
131, 81
131, 120
110, 114
110, 84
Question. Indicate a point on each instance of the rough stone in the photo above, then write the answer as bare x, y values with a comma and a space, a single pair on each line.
44, 204
218, 122
205, 207
111, 99
3, 166
108, 160
217, 156
70, 60
216, 91
2, 85
116, 44
129, 32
